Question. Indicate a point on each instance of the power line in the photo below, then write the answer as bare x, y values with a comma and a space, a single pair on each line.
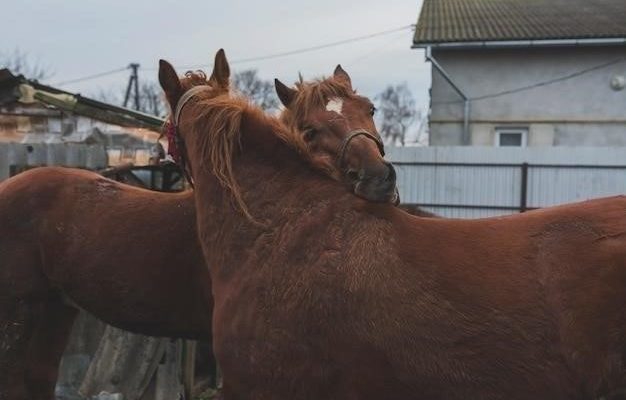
539, 84
549, 82
321, 46
252, 59
373, 52
90, 77
299, 51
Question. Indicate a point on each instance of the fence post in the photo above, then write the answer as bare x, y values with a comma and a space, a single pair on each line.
189, 366
523, 188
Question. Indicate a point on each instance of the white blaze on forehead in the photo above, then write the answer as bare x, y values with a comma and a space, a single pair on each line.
335, 104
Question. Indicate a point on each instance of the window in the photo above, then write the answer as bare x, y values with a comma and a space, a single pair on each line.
114, 156
511, 137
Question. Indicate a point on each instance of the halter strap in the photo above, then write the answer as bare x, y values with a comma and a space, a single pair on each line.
352, 135
175, 138
185, 98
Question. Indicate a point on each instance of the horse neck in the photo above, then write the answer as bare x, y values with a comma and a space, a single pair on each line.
272, 176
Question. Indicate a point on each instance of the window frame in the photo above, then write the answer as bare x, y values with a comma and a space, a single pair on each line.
523, 131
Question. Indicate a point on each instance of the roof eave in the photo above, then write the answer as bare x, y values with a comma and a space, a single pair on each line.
149, 119
522, 43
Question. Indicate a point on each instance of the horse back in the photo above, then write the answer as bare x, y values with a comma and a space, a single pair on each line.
127, 255
556, 277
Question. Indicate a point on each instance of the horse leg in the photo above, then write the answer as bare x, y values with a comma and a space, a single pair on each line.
17, 324
46, 348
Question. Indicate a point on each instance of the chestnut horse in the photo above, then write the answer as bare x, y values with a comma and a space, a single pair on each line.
322, 295
72, 239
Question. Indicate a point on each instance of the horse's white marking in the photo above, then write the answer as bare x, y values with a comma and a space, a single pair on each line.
335, 104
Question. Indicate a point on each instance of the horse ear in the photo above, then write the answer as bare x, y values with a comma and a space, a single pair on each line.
170, 83
342, 76
285, 93
221, 69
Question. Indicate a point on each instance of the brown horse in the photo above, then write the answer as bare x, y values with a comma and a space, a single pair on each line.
326, 296
72, 239
324, 112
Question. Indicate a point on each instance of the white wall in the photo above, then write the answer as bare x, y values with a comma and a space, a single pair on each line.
583, 110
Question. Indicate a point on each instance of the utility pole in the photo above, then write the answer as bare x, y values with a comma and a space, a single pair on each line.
133, 82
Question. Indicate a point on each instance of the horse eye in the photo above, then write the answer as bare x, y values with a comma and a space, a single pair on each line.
372, 111
309, 134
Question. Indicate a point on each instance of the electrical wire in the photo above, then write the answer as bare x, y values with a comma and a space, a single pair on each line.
298, 51
539, 84
384, 46
322, 46
90, 77
251, 59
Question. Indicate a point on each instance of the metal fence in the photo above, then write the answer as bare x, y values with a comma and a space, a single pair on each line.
15, 157
473, 189
463, 182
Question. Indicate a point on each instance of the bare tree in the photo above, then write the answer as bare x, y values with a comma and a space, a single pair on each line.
421, 137
260, 91
397, 111
151, 99
109, 95
18, 62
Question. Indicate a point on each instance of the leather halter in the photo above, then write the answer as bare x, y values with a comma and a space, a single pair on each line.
352, 135
178, 141
180, 144
185, 98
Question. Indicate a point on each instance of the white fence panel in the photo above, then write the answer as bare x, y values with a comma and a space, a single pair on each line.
550, 186
474, 182
22, 155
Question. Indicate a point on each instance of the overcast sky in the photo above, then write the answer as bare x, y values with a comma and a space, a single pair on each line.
78, 38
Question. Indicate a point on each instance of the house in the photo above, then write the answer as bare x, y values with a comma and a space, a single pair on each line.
525, 73
49, 120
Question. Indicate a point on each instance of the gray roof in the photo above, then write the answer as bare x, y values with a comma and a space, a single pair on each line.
445, 21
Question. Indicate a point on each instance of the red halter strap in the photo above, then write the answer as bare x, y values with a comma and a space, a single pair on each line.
175, 143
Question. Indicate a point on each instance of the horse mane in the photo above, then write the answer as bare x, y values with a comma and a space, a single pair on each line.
194, 78
191, 79
313, 95
217, 129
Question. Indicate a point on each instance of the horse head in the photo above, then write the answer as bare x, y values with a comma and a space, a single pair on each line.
175, 88
337, 127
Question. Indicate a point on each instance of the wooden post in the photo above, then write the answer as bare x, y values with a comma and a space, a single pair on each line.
189, 366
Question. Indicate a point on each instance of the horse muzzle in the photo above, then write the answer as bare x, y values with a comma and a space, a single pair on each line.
379, 187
